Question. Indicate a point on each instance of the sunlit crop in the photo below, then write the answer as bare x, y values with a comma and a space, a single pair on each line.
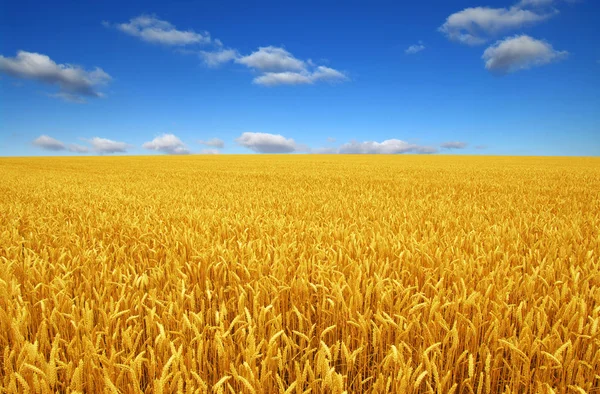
300, 273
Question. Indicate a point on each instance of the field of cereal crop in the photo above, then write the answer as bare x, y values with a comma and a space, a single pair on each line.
300, 273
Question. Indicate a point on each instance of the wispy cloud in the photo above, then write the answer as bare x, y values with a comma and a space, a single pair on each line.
411, 50
209, 152
454, 145
213, 142
78, 148
154, 30
167, 143
391, 146
476, 25
520, 53
74, 82
218, 57
321, 73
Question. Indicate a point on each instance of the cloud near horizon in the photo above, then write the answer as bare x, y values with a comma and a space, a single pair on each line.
391, 146
100, 145
49, 143
254, 141
269, 143
167, 143
209, 152
454, 145
74, 82
104, 145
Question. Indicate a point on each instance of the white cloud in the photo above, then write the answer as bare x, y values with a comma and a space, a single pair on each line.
283, 78
268, 143
209, 152
411, 50
52, 144
454, 145
274, 65
272, 59
392, 146
167, 143
49, 143
78, 148
324, 151
321, 73
214, 142
103, 145
151, 29
216, 58
474, 26
74, 82
330, 139
520, 53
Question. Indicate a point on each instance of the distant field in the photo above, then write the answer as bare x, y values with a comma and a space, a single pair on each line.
300, 273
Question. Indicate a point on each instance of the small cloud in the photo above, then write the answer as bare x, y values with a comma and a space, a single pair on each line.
69, 97
324, 151
74, 82
330, 139
272, 59
392, 146
426, 150
268, 143
209, 152
214, 142
321, 73
104, 145
520, 53
454, 145
216, 58
151, 29
411, 50
474, 26
76, 148
481, 147
167, 143
328, 74
283, 78
48, 143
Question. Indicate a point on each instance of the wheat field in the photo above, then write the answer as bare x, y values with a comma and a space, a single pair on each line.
300, 274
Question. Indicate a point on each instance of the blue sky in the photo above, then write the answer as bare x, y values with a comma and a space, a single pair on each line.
145, 77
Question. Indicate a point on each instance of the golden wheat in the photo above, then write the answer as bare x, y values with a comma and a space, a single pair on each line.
298, 274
